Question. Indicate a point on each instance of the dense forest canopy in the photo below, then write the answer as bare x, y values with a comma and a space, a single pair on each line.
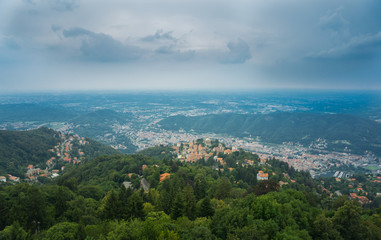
193, 201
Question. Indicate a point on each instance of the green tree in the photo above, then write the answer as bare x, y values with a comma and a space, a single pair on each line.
322, 229
29, 207
347, 220
110, 206
206, 209
189, 202
178, 207
224, 188
64, 230
62, 195
135, 206
200, 186
13, 232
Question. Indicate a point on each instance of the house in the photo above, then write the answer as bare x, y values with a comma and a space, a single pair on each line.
3, 179
127, 185
262, 176
228, 151
164, 176
144, 184
13, 178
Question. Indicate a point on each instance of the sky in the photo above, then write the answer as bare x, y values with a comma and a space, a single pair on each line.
71, 45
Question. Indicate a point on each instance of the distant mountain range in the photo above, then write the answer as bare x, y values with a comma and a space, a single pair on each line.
33, 112
340, 131
18, 149
96, 124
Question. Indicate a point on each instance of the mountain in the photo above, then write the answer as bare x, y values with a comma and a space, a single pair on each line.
18, 149
33, 112
339, 130
101, 125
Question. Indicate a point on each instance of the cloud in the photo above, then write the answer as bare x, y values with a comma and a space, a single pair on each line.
102, 47
57, 5
363, 47
334, 22
159, 35
239, 52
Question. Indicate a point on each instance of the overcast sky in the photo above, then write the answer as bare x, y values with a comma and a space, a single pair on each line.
189, 44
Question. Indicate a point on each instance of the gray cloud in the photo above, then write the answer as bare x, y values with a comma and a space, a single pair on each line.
103, 48
295, 43
239, 52
334, 21
58, 5
364, 47
159, 35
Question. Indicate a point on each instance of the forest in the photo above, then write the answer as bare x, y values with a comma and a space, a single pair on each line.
168, 199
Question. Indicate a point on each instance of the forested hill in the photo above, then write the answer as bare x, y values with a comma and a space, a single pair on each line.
165, 198
339, 130
99, 125
18, 149
33, 112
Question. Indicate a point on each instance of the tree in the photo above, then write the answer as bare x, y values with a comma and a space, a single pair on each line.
64, 230
62, 196
13, 232
123, 196
178, 207
224, 188
347, 220
200, 186
266, 186
206, 209
29, 207
323, 229
110, 206
189, 202
135, 206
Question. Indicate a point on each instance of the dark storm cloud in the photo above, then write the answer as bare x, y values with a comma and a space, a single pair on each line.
102, 47
239, 52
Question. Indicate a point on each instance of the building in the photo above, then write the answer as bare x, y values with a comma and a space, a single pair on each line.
164, 176
127, 185
3, 179
262, 176
144, 184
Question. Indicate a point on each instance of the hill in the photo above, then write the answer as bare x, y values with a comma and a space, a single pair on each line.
18, 149
340, 131
33, 112
192, 201
101, 125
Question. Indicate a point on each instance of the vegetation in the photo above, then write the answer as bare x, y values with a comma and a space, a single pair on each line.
33, 112
195, 202
99, 124
18, 149
340, 130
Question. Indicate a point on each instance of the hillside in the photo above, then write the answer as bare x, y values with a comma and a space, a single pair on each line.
100, 125
339, 130
184, 200
33, 112
18, 149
